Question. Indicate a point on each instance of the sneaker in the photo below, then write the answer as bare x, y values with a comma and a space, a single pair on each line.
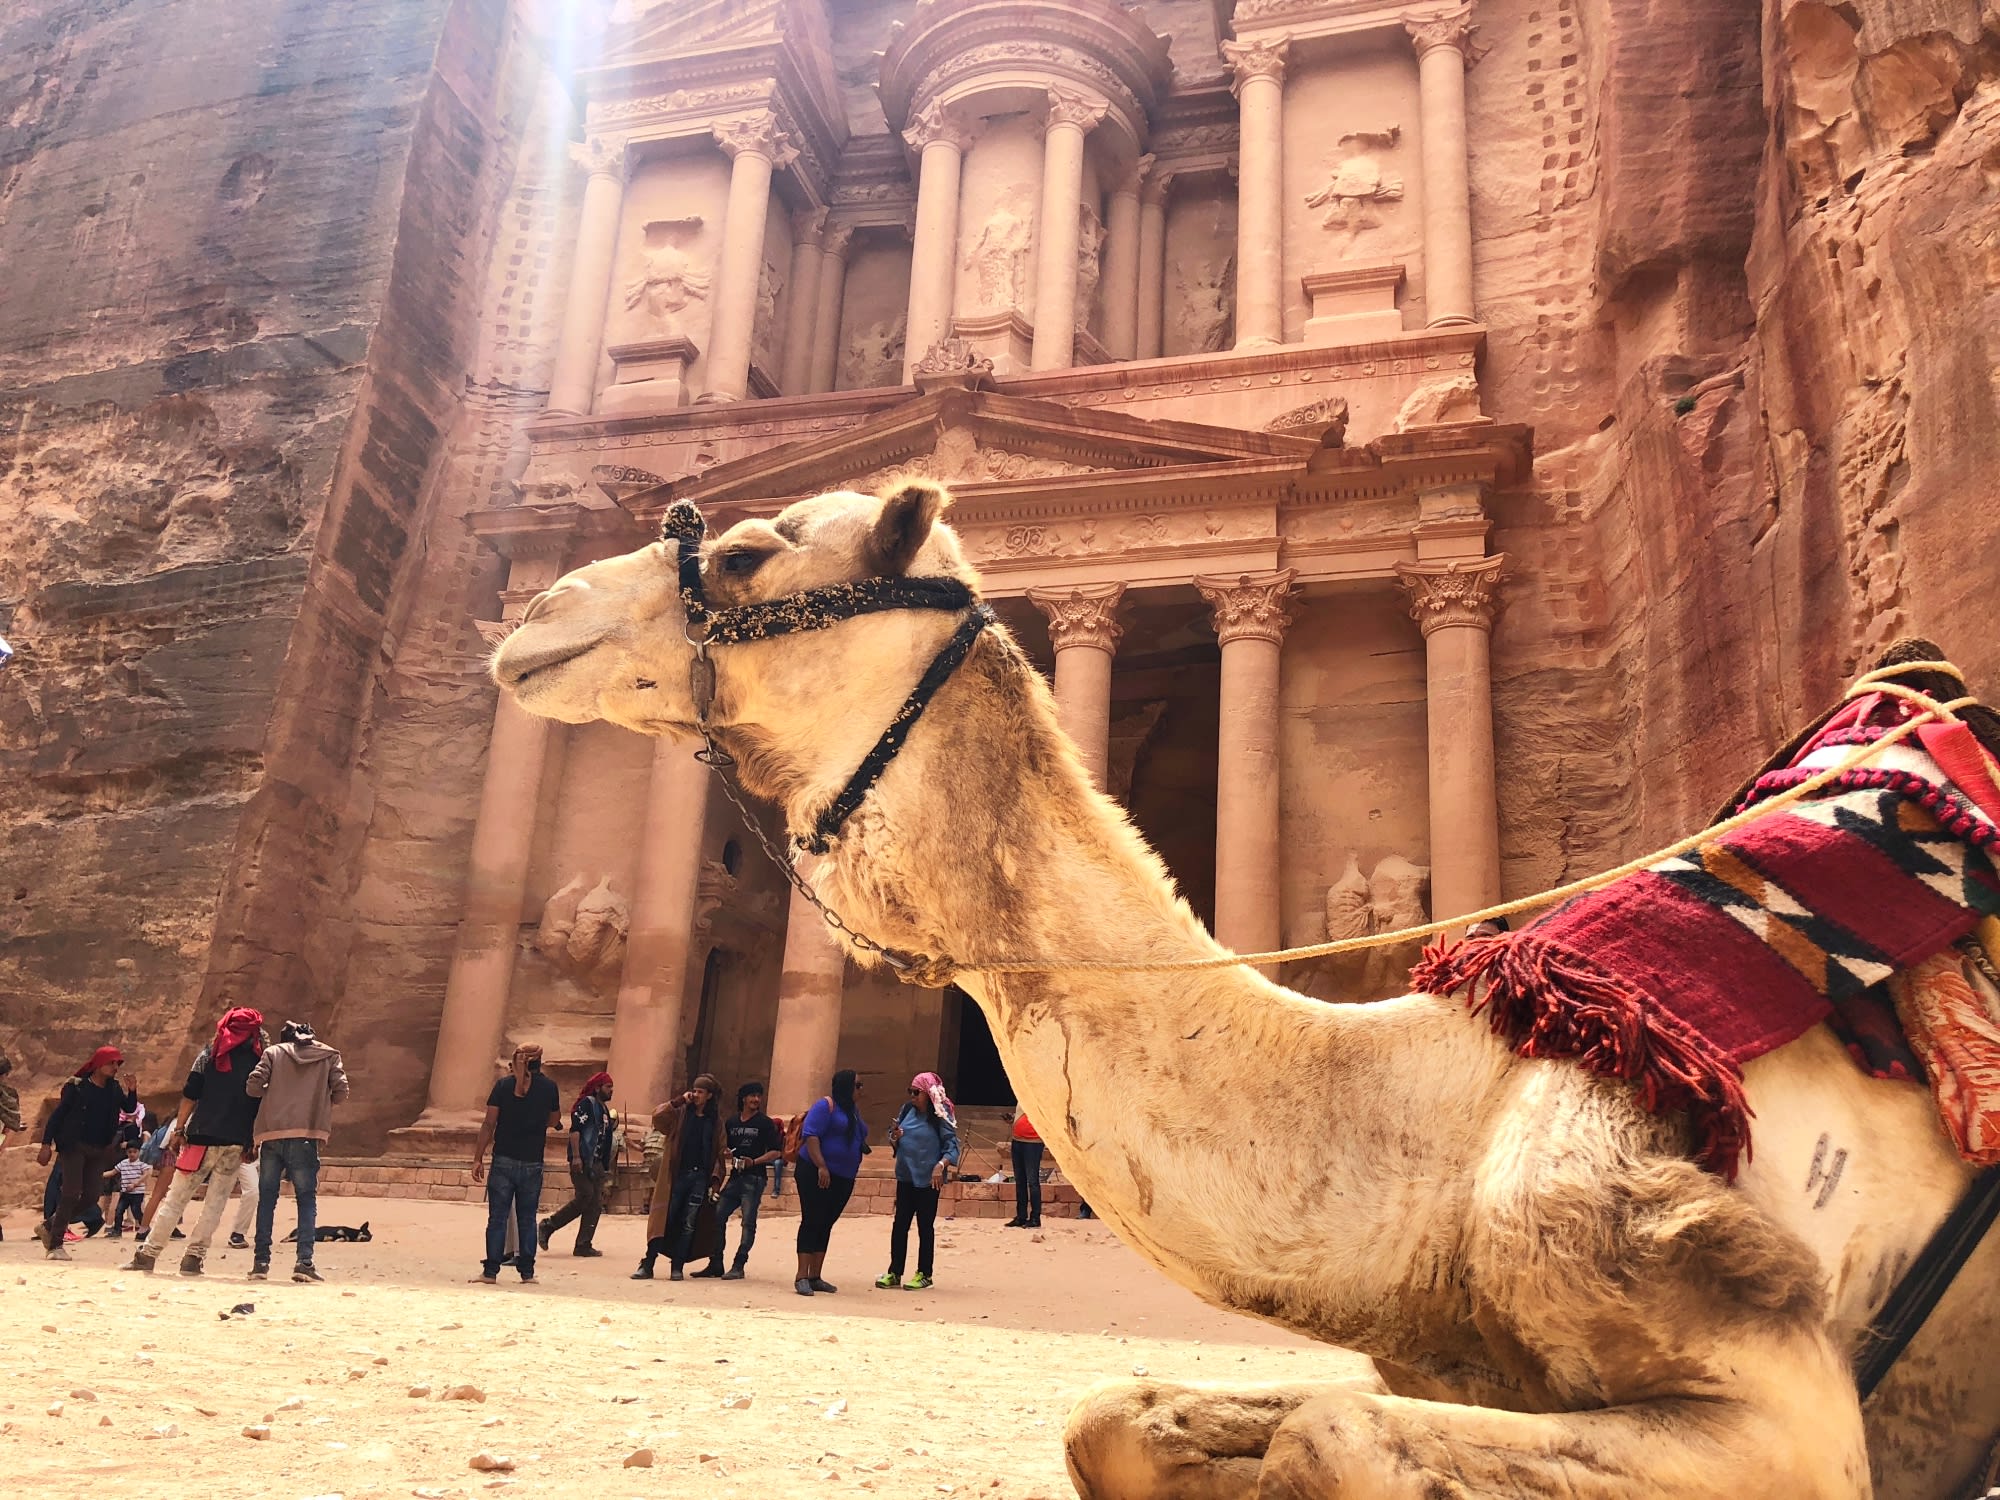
190, 1265
823, 1286
304, 1271
237, 1242
919, 1283
888, 1281
734, 1273
260, 1270
542, 1233
114, 1234
803, 1287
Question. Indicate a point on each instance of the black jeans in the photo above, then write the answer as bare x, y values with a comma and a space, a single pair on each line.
745, 1192
690, 1190
819, 1207
1028, 1179
586, 1205
920, 1204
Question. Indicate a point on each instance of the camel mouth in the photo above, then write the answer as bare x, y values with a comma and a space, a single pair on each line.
513, 670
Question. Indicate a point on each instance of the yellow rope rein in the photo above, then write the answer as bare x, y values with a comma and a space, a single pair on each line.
1929, 709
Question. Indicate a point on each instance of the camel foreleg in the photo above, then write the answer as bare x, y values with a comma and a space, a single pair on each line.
1788, 1426
1151, 1440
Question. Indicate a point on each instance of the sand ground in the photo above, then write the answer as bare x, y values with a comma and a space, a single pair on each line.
113, 1383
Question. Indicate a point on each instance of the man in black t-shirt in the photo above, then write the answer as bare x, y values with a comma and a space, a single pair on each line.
520, 1112
754, 1143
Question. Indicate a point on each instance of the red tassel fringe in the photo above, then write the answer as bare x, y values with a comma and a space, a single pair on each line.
1549, 1001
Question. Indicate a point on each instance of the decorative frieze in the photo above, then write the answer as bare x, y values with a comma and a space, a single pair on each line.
1250, 606
1455, 593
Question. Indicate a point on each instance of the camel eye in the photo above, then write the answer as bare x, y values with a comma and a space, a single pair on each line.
740, 564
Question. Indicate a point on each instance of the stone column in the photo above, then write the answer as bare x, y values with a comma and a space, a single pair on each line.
503, 834
941, 142
1440, 47
833, 245
1453, 602
1260, 191
802, 312
1083, 625
652, 991
1121, 266
1152, 261
573, 382
1060, 228
756, 147
807, 1044
1251, 613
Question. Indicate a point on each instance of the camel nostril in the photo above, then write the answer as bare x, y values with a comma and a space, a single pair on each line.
535, 605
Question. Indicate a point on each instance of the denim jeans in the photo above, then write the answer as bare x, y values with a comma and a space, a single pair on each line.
295, 1160
683, 1208
1028, 1179
513, 1189
744, 1192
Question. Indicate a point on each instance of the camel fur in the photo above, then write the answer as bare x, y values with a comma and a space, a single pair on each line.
1557, 1301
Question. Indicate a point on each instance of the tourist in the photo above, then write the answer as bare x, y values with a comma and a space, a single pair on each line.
590, 1148
90, 1213
215, 1125
1027, 1174
925, 1139
754, 1143
691, 1174
81, 1134
131, 1192
299, 1081
832, 1140
520, 1112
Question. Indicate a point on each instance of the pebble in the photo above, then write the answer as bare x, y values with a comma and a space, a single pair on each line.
104, 1421
1138, 1369
167, 1431
462, 1393
83, 1395
492, 1463
420, 1390
380, 1359
48, 1328
835, 1409
737, 1403
639, 1458
706, 1458
55, 1408
291, 1403
257, 1432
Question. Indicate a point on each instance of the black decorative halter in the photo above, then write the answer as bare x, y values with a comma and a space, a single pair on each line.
815, 609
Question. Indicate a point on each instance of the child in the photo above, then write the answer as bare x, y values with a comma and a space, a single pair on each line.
132, 1174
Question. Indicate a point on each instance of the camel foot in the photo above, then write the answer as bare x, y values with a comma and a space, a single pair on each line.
1150, 1440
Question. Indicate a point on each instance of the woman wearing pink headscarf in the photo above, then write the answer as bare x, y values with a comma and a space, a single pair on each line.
925, 1138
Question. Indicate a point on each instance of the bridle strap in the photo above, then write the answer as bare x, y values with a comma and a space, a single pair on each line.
827, 826
816, 609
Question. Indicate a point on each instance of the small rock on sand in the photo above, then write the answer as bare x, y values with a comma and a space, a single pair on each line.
492, 1463
463, 1393
639, 1458
257, 1432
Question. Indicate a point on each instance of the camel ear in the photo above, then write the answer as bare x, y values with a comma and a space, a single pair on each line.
908, 513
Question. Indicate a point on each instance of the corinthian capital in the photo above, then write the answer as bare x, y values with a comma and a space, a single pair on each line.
599, 156
1080, 110
1086, 615
1452, 593
1258, 59
935, 123
758, 134
1249, 606
836, 239
809, 226
1451, 29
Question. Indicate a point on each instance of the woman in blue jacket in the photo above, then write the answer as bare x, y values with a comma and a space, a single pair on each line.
925, 1137
832, 1140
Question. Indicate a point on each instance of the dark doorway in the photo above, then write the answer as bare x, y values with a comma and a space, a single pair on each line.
704, 1022
980, 1078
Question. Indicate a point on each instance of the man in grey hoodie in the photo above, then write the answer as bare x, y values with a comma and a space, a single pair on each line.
299, 1079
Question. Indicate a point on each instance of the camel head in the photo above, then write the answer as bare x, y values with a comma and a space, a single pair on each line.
609, 641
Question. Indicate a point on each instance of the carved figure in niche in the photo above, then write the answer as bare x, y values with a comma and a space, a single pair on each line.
583, 931
1356, 184
875, 355
770, 283
997, 258
1207, 294
1453, 400
1089, 263
668, 278
1393, 896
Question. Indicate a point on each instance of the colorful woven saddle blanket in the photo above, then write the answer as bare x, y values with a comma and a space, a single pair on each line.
1674, 977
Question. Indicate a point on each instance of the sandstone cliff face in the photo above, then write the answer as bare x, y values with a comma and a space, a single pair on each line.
230, 345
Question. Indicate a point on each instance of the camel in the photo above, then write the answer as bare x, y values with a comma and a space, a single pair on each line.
1557, 1300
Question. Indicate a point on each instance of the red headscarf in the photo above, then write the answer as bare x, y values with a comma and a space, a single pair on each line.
237, 1027
592, 1083
103, 1057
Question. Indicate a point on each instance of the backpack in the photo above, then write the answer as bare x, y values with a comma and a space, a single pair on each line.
795, 1132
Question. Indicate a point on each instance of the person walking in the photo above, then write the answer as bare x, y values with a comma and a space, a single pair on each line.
925, 1139
691, 1173
832, 1140
81, 1136
520, 1112
215, 1126
298, 1082
754, 1143
1028, 1149
131, 1192
590, 1148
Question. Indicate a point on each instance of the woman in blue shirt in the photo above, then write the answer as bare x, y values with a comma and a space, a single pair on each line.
832, 1141
925, 1136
